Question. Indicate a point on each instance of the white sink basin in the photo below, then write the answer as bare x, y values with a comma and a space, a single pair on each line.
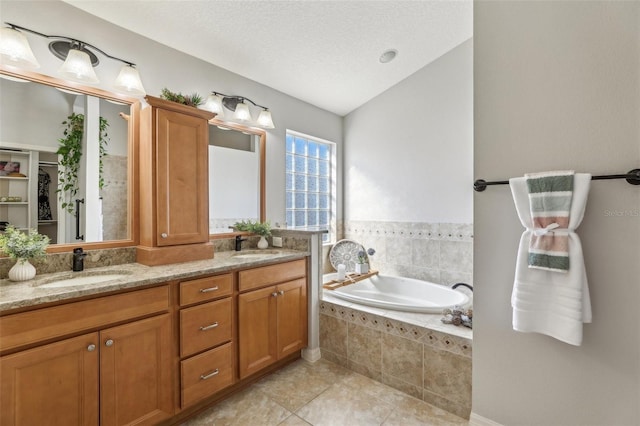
262, 254
85, 279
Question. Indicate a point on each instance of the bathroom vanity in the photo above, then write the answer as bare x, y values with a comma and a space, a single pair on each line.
152, 346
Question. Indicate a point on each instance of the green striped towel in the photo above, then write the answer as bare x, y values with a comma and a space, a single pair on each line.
550, 195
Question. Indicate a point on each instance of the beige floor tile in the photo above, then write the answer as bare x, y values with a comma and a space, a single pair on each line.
294, 420
342, 405
296, 384
249, 407
323, 393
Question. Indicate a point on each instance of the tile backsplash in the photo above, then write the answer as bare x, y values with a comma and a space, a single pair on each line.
438, 252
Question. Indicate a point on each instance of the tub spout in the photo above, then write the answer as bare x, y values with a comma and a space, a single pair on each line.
456, 285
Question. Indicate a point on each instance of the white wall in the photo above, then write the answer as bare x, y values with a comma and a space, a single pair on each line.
161, 66
409, 151
557, 86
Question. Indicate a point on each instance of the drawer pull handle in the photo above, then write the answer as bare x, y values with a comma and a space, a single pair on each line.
207, 290
210, 375
208, 327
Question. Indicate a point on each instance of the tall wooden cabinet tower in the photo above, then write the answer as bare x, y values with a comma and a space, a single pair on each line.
174, 193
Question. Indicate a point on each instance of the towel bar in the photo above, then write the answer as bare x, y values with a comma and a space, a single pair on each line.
633, 177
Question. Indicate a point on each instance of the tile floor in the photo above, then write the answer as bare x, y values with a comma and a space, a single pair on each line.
322, 393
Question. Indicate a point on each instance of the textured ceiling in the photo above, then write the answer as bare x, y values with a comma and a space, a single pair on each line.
323, 52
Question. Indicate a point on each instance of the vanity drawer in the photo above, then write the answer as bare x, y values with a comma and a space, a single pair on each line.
273, 274
205, 326
58, 321
206, 374
204, 289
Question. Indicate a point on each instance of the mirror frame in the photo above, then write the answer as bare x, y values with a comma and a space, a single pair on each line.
262, 172
132, 152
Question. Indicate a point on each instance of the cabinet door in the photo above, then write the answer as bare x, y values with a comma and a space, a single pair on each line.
292, 317
257, 321
135, 372
182, 179
55, 384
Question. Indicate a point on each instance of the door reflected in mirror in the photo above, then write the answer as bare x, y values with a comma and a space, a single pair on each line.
73, 149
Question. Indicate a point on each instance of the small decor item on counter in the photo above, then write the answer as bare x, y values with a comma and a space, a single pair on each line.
189, 100
8, 199
458, 316
259, 228
23, 247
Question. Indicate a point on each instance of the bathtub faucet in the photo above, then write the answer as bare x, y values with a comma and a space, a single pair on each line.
456, 285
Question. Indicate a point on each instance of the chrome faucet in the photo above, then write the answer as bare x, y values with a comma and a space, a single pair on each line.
78, 259
239, 241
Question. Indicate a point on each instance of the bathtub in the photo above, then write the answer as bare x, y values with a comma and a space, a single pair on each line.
398, 293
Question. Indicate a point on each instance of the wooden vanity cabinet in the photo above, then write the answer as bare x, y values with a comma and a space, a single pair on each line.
207, 344
174, 194
118, 375
272, 314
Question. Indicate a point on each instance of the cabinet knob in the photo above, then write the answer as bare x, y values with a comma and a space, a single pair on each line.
274, 294
91, 347
281, 293
164, 235
109, 342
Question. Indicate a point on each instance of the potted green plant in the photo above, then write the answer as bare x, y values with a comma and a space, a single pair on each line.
263, 229
23, 247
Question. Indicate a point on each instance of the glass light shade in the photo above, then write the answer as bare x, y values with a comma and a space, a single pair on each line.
214, 104
265, 120
242, 112
129, 82
15, 49
78, 67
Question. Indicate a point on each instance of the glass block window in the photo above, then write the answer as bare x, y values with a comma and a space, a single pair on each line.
310, 184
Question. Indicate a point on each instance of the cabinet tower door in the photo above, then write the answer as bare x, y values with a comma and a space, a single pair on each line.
182, 179
55, 384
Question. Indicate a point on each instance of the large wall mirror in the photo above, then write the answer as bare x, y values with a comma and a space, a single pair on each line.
236, 176
99, 210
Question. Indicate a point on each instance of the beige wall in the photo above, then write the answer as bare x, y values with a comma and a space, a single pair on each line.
557, 86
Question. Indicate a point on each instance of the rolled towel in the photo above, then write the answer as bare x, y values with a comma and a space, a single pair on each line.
550, 195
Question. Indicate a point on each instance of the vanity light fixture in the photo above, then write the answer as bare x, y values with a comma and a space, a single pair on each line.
218, 102
78, 56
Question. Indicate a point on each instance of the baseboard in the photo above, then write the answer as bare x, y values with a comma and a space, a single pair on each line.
478, 420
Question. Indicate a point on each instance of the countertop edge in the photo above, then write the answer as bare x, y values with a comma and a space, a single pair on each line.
20, 296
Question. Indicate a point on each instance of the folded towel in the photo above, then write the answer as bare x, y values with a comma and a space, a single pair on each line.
544, 301
550, 195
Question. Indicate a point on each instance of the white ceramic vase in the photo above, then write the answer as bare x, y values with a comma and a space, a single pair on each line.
263, 243
22, 271
362, 268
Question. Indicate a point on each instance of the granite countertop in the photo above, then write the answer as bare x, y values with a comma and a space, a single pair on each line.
14, 295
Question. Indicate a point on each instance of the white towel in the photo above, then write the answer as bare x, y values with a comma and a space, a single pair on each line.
544, 301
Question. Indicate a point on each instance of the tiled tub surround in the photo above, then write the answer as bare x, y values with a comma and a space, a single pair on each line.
441, 253
414, 353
